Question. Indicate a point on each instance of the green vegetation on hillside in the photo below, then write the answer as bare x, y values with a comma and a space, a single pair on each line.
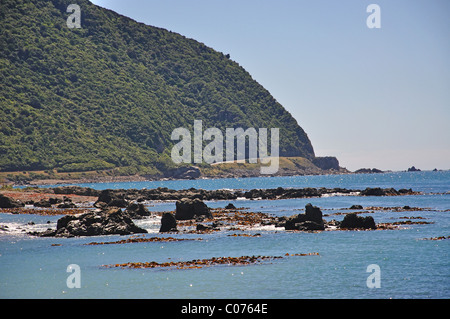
109, 94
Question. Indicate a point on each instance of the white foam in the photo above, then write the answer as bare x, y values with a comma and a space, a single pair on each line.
13, 228
151, 224
341, 194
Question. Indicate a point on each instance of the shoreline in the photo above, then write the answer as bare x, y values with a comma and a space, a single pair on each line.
140, 178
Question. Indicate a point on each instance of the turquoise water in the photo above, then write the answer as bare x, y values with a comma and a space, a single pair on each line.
410, 267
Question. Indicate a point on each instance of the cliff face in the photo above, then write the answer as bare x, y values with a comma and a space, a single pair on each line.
110, 93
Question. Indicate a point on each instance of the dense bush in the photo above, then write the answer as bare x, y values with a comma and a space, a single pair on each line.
110, 94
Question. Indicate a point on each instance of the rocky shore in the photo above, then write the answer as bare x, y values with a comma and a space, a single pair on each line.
164, 193
90, 212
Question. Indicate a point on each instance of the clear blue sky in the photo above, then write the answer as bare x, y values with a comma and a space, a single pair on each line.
371, 97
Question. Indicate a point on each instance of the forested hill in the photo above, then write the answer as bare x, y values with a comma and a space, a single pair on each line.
110, 93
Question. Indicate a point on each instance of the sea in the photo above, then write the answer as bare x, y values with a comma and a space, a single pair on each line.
401, 263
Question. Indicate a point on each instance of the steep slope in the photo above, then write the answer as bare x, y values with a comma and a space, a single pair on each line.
110, 93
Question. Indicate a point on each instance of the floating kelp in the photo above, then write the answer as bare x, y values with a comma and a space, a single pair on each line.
437, 238
142, 240
200, 263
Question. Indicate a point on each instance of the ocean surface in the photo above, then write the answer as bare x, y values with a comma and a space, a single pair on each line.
411, 266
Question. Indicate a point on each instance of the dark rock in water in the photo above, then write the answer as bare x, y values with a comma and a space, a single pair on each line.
43, 203
190, 208
112, 221
202, 227
413, 169
368, 171
118, 202
310, 220
76, 190
7, 202
356, 207
309, 225
137, 211
168, 223
377, 191
352, 221
109, 197
404, 191
313, 213
67, 205
230, 206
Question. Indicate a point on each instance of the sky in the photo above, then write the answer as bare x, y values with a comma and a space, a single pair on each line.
372, 97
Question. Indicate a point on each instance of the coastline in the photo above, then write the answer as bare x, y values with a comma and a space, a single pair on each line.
288, 166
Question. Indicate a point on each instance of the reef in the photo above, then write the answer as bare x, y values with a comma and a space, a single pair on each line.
200, 263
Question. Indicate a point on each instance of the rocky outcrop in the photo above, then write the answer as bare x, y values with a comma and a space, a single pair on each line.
75, 190
66, 203
326, 163
230, 206
377, 191
168, 223
121, 197
137, 211
353, 221
190, 172
191, 208
310, 220
8, 202
368, 171
112, 198
107, 222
